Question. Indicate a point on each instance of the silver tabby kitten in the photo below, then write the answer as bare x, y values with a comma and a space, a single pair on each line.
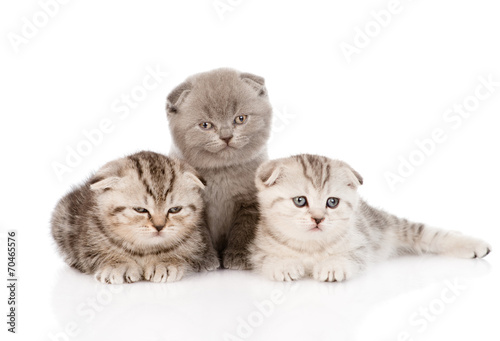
138, 217
220, 122
313, 223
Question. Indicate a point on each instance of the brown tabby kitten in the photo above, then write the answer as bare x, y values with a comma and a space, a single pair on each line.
220, 122
313, 223
138, 217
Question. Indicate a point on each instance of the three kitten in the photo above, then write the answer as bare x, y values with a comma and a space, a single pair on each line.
313, 223
138, 217
220, 122
148, 216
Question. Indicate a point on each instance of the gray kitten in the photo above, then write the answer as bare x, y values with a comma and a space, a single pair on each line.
220, 122
313, 223
138, 217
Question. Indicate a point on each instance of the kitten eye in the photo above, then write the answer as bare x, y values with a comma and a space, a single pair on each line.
140, 210
300, 201
332, 202
240, 119
206, 125
175, 209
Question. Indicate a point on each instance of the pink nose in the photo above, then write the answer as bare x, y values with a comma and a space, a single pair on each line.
318, 220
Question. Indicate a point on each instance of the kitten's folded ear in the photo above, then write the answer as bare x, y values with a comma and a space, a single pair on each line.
355, 177
268, 174
256, 82
108, 176
177, 96
195, 179
192, 176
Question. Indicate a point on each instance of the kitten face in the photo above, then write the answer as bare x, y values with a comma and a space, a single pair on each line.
307, 197
148, 199
221, 117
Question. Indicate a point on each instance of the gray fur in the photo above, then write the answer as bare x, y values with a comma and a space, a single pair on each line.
228, 154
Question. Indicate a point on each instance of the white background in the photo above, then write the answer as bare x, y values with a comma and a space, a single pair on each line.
68, 76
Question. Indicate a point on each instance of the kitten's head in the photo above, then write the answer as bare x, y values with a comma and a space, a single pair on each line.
147, 200
307, 197
220, 118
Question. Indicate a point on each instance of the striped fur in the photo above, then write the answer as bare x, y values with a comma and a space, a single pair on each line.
290, 243
98, 230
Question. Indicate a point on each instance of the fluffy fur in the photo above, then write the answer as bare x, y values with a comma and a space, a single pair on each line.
220, 122
139, 217
307, 237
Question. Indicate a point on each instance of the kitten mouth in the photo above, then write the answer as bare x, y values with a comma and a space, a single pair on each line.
315, 229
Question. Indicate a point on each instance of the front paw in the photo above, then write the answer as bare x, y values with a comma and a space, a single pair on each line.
280, 271
333, 271
161, 273
211, 263
235, 260
118, 274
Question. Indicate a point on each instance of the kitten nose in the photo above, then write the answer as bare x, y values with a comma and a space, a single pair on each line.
159, 227
318, 220
226, 139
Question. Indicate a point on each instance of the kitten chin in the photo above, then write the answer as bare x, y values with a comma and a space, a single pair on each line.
220, 122
138, 217
313, 223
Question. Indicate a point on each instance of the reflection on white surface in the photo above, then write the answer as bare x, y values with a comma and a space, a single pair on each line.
239, 305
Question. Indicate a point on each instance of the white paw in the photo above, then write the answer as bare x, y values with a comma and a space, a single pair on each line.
283, 271
161, 273
133, 274
333, 271
118, 274
466, 247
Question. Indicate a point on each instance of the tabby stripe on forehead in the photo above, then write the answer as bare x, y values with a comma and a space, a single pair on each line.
326, 176
140, 172
172, 178
316, 168
137, 165
304, 169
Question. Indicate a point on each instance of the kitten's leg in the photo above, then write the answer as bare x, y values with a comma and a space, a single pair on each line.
337, 268
119, 273
274, 267
420, 238
279, 269
210, 260
245, 221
